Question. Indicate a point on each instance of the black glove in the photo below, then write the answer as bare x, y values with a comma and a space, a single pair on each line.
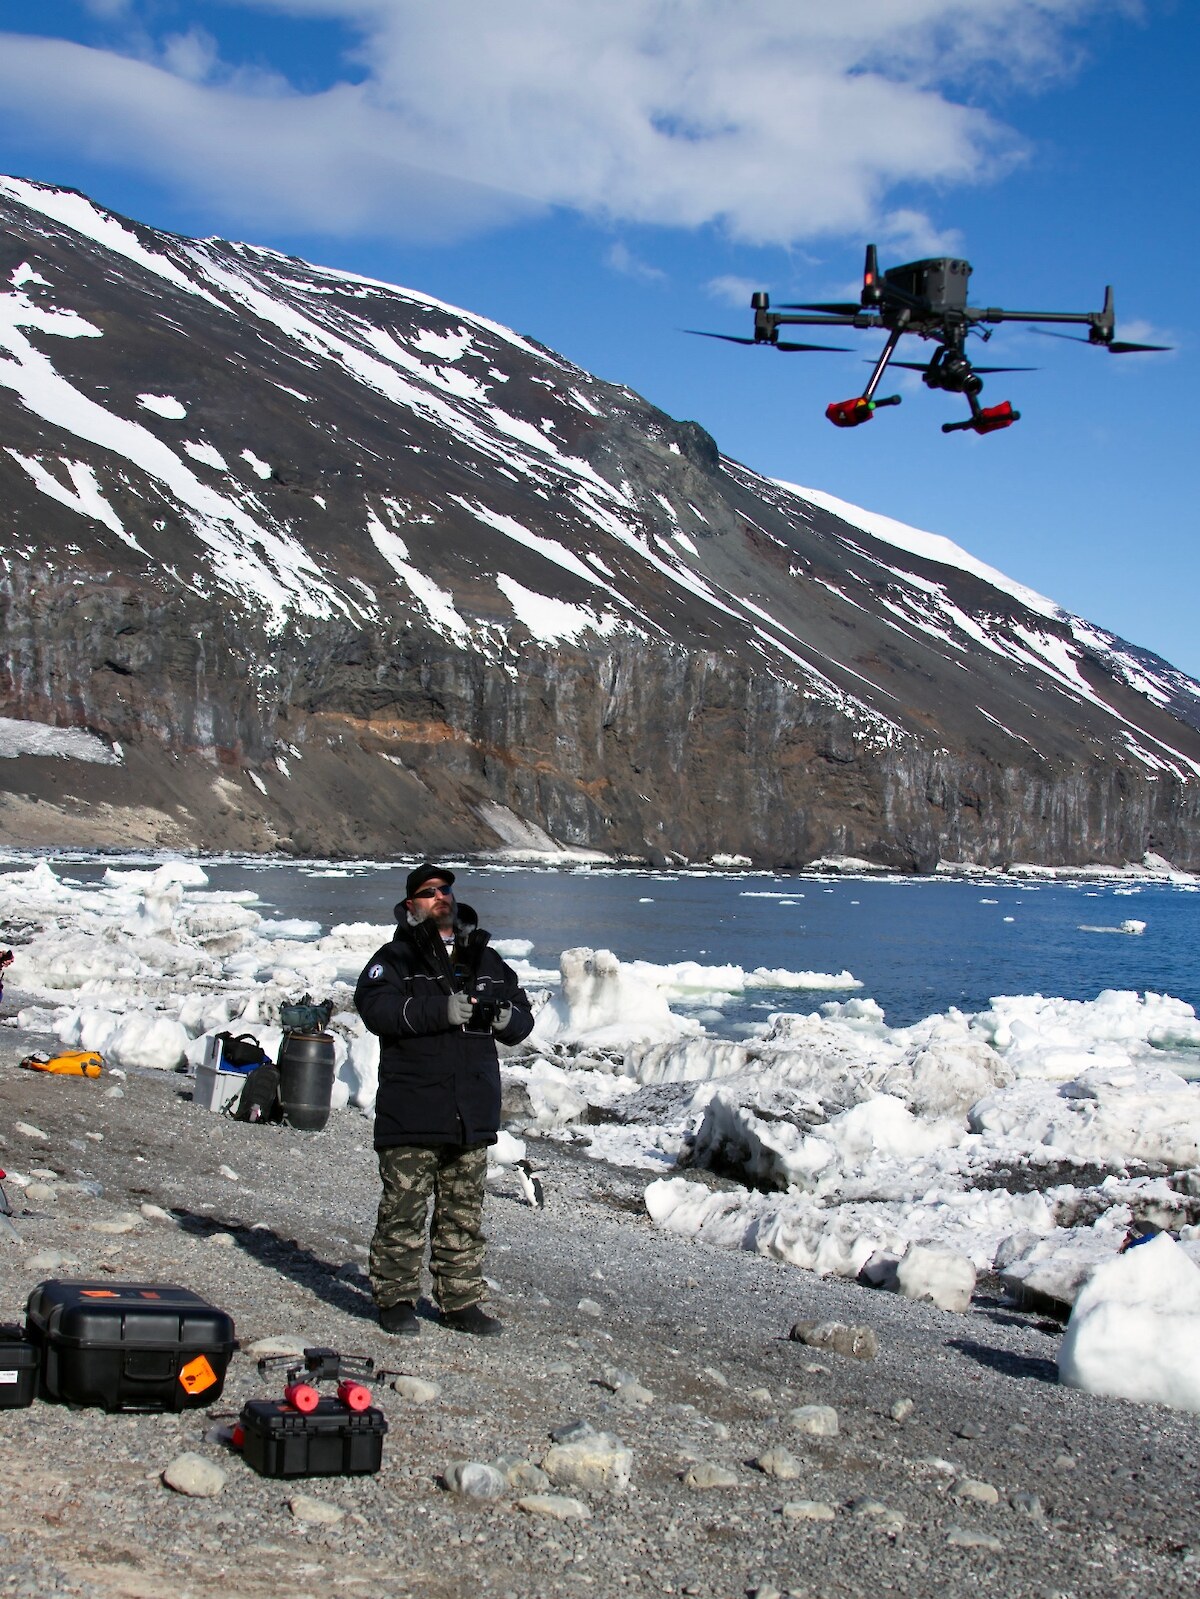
458, 1010
503, 1017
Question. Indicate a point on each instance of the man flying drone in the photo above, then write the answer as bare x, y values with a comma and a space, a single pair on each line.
928, 298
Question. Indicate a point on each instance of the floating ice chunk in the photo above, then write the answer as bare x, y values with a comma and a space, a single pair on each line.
603, 1001
1135, 1328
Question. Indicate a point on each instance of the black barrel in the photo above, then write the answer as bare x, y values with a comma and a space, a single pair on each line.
306, 1079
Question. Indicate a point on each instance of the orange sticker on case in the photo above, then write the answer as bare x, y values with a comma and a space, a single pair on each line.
98, 1293
197, 1375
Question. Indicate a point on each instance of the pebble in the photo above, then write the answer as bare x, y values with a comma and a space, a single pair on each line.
559, 1507
780, 1463
1064, 1463
600, 1461
760, 1396
473, 1480
305, 1508
114, 1092
808, 1510
968, 1538
221, 1240
96, 1138
968, 1429
901, 1410
113, 1229
228, 1171
193, 1475
717, 1378
707, 1474
980, 1493
818, 1421
155, 1212
28, 1130
45, 1173
39, 1193
589, 1307
417, 1390
860, 1343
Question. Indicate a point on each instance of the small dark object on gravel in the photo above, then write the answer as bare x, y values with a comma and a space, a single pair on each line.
473, 1319
400, 1319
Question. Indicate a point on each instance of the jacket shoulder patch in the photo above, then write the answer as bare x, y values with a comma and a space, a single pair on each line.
375, 972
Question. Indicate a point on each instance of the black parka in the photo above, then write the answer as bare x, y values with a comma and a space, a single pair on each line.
437, 1083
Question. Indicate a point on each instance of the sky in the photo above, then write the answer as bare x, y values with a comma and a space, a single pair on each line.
603, 177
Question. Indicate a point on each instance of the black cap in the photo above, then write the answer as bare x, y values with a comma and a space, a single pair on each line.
425, 873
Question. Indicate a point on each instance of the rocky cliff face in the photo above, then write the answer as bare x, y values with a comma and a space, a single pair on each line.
325, 566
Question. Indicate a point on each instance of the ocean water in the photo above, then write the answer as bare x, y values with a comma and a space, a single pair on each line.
917, 945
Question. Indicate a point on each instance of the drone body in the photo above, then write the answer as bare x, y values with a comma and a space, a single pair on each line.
928, 299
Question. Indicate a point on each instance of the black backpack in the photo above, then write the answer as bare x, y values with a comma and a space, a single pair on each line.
244, 1050
259, 1098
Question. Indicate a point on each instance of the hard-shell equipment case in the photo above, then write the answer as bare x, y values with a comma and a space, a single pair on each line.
330, 1441
128, 1346
18, 1369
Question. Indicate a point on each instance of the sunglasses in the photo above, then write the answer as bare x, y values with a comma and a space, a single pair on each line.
429, 893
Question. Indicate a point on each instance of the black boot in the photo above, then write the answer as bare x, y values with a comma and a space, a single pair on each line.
473, 1319
400, 1318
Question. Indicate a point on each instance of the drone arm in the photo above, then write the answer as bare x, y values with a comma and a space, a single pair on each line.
1100, 324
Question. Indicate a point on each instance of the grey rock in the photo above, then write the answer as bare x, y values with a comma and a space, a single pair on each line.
1028, 1504
808, 1510
707, 1474
416, 1389
472, 1479
860, 1343
559, 1507
780, 1463
526, 1478
193, 1475
570, 1432
589, 1307
600, 1461
979, 1493
305, 1508
969, 1538
901, 1410
817, 1421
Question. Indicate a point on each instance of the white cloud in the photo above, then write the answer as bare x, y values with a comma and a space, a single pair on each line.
777, 120
732, 290
620, 258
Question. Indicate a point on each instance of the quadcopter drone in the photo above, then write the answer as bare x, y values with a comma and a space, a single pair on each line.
928, 298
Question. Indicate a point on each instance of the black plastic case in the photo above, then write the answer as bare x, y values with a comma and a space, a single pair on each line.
18, 1369
330, 1441
128, 1346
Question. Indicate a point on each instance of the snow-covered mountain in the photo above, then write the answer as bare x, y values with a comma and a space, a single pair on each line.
311, 562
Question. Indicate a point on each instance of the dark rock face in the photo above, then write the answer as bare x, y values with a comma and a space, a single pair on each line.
343, 570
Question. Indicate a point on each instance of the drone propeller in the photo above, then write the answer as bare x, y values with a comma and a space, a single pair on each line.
1116, 347
780, 344
921, 366
833, 307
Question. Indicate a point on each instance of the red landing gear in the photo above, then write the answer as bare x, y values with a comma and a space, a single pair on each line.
851, 413
984, 419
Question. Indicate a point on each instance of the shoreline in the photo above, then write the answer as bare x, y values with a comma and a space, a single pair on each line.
272, 1225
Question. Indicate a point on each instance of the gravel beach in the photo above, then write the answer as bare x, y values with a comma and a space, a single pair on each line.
677, 1356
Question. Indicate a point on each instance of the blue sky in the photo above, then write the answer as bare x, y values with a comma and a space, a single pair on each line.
604, 176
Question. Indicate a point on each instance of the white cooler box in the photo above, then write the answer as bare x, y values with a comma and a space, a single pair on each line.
215, 1087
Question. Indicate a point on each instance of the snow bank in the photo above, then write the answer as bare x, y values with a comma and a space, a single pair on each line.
1135, 1328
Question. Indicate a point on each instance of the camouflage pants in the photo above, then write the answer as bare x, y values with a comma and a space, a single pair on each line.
454, 1175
